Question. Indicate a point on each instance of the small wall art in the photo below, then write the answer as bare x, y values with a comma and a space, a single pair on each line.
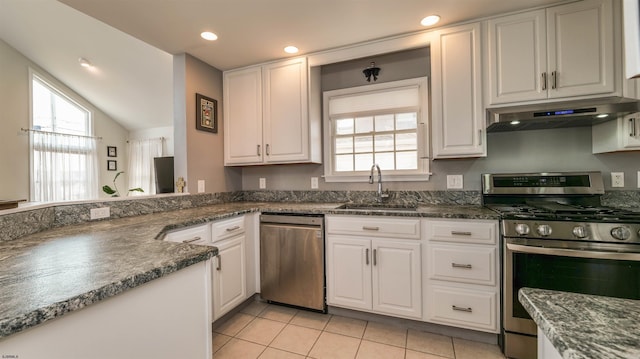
112, 151
112, 165
206, 114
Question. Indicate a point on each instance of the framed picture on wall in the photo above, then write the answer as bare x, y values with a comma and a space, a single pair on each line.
112, 151
112, 165
206, 114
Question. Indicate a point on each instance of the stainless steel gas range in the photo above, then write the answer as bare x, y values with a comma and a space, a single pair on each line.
556, 235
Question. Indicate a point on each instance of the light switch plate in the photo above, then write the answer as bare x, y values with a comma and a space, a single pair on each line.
263, 183
454, 182
314, 182
617, 179
200, 186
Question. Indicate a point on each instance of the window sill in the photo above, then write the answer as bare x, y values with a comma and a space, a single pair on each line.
385, 178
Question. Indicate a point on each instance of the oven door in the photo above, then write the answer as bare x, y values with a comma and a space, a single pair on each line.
598, 269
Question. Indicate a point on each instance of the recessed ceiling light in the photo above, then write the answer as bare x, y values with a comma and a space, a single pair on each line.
208, 35
84, 62
430, 20
291, 50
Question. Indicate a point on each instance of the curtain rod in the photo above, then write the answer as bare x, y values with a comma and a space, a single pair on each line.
147, 139
57, 133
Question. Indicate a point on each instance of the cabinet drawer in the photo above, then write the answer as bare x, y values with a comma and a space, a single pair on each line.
462, 231
227, 228
465, 308
194, 235
374, 226
465, 264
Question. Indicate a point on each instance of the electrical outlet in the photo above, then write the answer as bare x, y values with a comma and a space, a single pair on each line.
263, 183
454, 181
200, 186
617, 179
314, 182
102, 212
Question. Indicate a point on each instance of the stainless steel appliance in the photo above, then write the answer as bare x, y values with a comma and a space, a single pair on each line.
292, 260
556, 235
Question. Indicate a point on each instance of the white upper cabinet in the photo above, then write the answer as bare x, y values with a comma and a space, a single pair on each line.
622, 134
266, 119
563, 51
456, 81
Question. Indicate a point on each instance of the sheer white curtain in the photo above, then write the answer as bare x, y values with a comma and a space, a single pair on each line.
141, 172
63, 167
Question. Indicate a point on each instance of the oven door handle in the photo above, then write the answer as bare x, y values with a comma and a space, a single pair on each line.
573, 252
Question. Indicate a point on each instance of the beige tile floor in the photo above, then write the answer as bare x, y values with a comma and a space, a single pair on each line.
268, 331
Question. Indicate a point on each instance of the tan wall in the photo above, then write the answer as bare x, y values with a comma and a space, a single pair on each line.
14, 114
201, 151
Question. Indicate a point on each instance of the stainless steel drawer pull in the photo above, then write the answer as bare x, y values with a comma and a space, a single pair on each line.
465, 266
191, 240
554, 80
461, 309
460, 233
544, 81
366, 256
632, 127
258, 150
219, 267
375, 260
367, 228
231, 229
268, 151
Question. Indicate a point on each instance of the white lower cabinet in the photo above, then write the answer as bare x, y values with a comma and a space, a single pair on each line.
229, 276
234, 268
461, 273
380, 274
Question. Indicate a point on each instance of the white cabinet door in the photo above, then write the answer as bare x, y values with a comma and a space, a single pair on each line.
285, 115
458, 117
243, 116
580, 48
229, 276
517, 57
349, 272
397, 284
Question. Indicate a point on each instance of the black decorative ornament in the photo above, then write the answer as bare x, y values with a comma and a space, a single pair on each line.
371, 71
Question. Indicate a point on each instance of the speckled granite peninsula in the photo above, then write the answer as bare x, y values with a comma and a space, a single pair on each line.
64, 268
585, 326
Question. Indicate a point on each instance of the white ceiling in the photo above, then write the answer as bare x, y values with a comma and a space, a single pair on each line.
133, 53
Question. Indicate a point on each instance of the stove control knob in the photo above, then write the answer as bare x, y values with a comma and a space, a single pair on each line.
579, 231
522, 229
544, 230
621, 233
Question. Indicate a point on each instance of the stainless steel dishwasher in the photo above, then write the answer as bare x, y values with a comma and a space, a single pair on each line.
292, 260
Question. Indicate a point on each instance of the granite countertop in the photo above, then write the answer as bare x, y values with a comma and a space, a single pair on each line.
584, 326
56, 271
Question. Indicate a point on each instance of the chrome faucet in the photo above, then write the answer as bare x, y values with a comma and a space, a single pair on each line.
381, 195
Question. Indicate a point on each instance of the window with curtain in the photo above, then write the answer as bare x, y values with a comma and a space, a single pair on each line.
141, 167
384, 124
64, 164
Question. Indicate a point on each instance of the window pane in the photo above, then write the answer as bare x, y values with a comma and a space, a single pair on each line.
42, 117
406, 141
385, 160
344, 163
384, 123
69, 118
344, 145
364, 124
384, 143
344, 126
407, 160
406, 121
364, 161
363, 144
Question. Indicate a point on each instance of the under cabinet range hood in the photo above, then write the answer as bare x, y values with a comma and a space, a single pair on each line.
559, 114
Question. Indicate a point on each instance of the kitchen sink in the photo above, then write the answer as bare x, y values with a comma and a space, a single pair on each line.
378, 207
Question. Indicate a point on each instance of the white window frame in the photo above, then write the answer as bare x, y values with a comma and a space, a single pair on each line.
422, 173
59, 89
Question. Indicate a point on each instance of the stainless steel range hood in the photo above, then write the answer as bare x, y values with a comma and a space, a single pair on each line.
559, 114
